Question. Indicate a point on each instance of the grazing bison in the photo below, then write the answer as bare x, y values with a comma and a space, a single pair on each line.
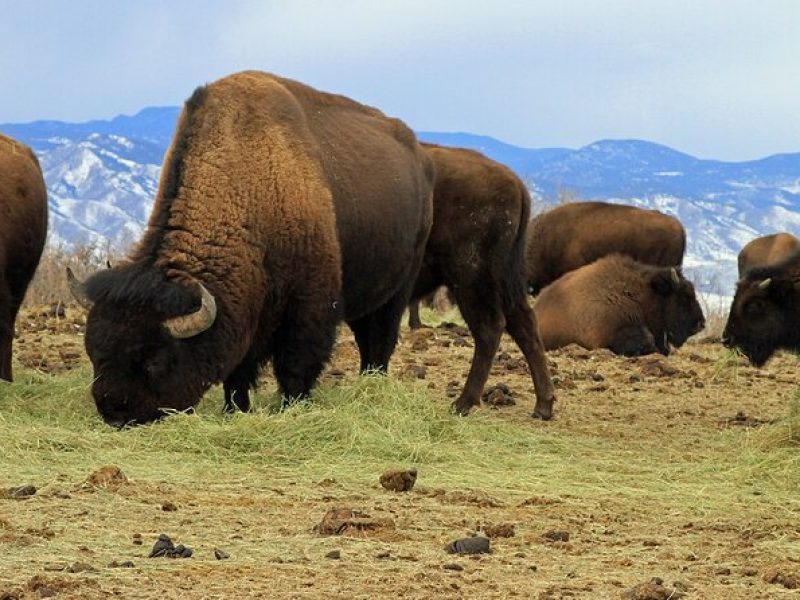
280, 211
619, 304
765, 312
572, 235
476, 249
23, 228
767, 250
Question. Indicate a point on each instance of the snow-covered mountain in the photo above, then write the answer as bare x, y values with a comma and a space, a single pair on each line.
102, 177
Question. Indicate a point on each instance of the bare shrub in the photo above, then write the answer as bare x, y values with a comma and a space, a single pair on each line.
49, 285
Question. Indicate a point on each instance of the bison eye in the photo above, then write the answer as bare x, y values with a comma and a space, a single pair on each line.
755, 308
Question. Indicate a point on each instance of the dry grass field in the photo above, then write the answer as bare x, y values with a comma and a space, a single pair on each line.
685, 468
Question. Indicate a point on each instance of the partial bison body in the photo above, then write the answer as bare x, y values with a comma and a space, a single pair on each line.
765, 313
619, 304
476, 249
767, 250
573, 235
23, 228
280, 211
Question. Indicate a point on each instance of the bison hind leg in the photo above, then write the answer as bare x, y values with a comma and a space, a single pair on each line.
376, 333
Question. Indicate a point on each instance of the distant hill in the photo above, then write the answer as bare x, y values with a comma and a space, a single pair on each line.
102, 177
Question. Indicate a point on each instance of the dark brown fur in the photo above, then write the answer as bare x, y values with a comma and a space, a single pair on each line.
765, 312
295, 209
23, 228
767, 250
572, 235
476, 249
619, 304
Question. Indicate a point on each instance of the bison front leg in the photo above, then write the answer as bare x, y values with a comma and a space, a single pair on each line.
6, 331
238, 384
414, 322
522, 326
633, 340
485, 321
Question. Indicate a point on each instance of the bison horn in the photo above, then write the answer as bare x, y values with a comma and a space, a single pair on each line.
186, 326
765, 284
674, 274
78, 290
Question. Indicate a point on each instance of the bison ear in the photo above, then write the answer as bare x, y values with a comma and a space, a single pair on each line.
662, 283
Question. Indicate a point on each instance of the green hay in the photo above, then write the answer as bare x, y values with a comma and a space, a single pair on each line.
352, 431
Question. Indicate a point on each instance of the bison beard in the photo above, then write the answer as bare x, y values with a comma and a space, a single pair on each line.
280, 211
23, 228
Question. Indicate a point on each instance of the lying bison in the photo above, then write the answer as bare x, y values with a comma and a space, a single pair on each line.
476, 249
23, 228
767, 250
765, 313
572, 235
619, 304
280, 211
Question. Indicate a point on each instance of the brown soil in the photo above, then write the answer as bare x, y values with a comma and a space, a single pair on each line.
393, 544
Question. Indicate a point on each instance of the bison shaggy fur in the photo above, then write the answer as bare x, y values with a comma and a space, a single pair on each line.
619, 304
476, 248
280, 211
765, 312
23, 228
572, 235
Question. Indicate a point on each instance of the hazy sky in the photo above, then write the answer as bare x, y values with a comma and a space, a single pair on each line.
717, 79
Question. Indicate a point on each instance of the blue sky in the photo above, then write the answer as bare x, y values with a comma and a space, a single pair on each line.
717, 79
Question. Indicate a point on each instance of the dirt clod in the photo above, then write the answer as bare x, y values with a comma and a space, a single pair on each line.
221, 554
399, 480
168, 506
80, 567
453, 567
657, 368
339, 521
471, 545
500, 530
166, 548
652, 590
21, 492
556, 535
741, 419
121, 564
499, 395
783, 575
108, 477
334, 554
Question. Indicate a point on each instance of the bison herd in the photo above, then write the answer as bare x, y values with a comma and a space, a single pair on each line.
282, 211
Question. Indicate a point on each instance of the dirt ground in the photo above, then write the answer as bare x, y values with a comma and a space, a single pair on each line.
550, 546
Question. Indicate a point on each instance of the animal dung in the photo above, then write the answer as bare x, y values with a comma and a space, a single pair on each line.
221, 554
164, 547
470, 545
22, 492
399, 480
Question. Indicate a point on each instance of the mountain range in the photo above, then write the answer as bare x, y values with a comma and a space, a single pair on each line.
102, 177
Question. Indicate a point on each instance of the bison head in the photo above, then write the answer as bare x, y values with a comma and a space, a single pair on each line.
763, 316
143, 336
680, 311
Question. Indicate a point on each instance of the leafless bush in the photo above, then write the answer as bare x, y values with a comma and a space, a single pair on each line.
49, 285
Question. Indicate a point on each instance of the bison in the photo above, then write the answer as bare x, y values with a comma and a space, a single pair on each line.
477, 249
572, 235
766, 250
280, 211
620, 304
23, 228
765, 312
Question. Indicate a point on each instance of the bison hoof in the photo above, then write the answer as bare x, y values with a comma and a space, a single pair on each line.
462, 408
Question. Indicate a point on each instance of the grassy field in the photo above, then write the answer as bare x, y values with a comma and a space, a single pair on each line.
685, 468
